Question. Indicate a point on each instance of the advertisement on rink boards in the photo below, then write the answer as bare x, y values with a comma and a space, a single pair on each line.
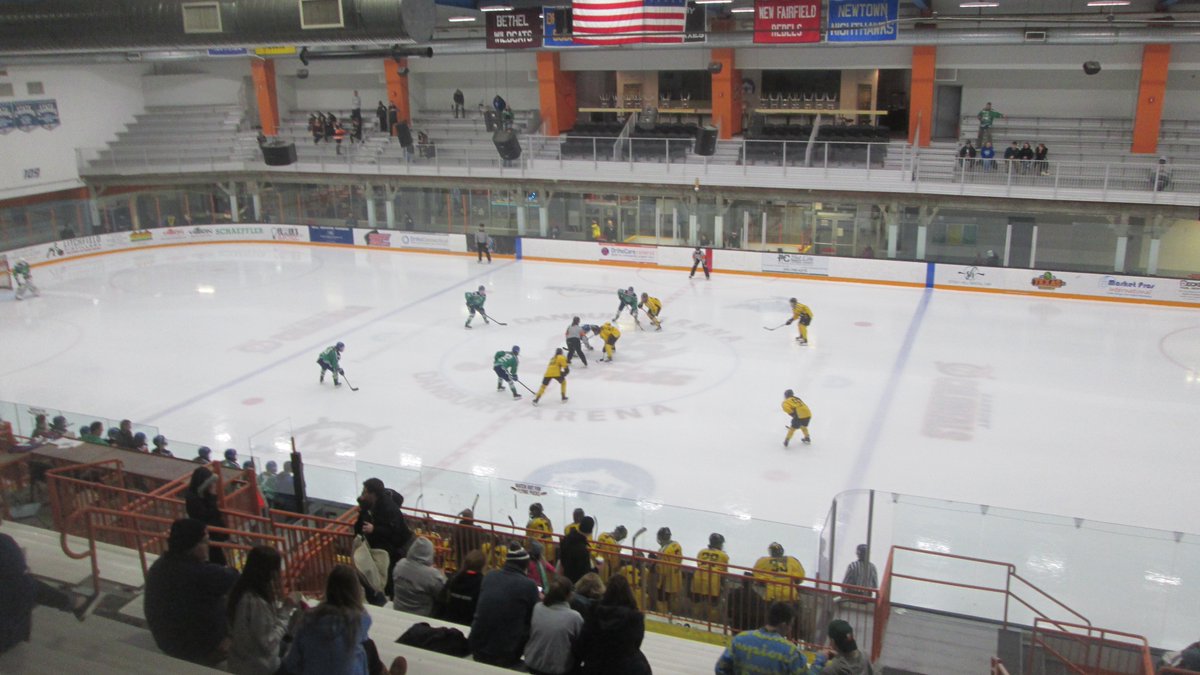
1048, 283
331, 235
796, 263
787, 21
627, 253
429, 241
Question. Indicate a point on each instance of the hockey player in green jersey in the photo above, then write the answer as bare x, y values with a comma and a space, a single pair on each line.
475, 302
24, 279
628, 299
331, 359
505, 365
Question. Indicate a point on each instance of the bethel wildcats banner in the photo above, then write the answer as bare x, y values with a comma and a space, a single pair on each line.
787, 21
519, 29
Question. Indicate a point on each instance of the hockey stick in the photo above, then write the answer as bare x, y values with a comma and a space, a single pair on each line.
492, 319
352, 387
526, 388
637, 534
776, 327
475, 503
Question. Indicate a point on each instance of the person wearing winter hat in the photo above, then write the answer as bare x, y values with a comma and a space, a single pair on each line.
506, 601
416, 582
203, 455
201, 502
231, 460
842, 656
185, 597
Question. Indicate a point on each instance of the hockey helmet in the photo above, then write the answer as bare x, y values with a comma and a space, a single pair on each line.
482, 289
536, 508
788, 393
160, 440
231, 455
664, 535
793, 300
631, 289
340, 346
139, 438
558, 351
775, 549
620, 532
516, 349
716, 540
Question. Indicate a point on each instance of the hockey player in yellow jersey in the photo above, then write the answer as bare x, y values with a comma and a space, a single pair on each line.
801, 313
557, 369
610, 334
540, 529
711, 565
800, 415
652, 306
577, 517
668, 569
781, 573
608, 549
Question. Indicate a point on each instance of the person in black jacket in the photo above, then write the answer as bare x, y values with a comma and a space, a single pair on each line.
185, 597
461, 594
201, 502
381, 113
382, 523
613, 632
573, 551
506, 599
125, 435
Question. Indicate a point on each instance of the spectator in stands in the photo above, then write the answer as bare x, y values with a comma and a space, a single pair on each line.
966, 157
610, 229
41, 430
1187, 659
318, 128
258, 620
574, 553
466, 537
987, 117
20, 592
554, 232
355, 106
842, 656
991, 259
765, 650
1026, 157
554, 632
459, 100
499, 104
862, 572
160, 447
1010, 156
139, 442
331, 637
416, 582
745, 606
93, 433
506, 601
203, 455
462, 591
988, 154
612, 634
331, 122
733, 239
112, 436
868, 252
231, 460
704, 240
356, 130
382, 522
588, 591
507, 118
339, 135
1039, 155
1162, 175
125, 435
201, 502
539, 569
381, 116
393, 118
58, 427
185, 597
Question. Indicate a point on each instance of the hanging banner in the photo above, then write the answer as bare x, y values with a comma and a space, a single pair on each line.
8, 119
556, 27
787, 21
518, 29
29, 116
863, 20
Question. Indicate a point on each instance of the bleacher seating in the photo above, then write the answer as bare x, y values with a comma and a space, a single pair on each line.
663, 140
587, 139
1100, 140
171, 134
847, 144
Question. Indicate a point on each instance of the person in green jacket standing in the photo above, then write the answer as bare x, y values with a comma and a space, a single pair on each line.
987, 116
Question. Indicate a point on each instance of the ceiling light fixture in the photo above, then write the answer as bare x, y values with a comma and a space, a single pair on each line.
461, 19
714, 2
496, 8
742, 10
975, 5
1108, 3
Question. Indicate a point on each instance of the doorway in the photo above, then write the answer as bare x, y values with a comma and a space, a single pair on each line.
947, 111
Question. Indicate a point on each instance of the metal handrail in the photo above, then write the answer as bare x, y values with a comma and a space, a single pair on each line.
1093, 635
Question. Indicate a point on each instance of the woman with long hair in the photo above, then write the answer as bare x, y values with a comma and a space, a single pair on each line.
201, 502
613, 632
331, 635
462, 591
257, 620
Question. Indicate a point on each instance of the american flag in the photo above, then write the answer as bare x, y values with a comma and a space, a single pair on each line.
618, 22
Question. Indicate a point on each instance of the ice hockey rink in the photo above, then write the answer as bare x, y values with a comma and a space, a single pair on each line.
1072, 408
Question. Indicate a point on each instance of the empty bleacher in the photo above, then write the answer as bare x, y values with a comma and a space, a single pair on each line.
591, 139
670, 142
166, 135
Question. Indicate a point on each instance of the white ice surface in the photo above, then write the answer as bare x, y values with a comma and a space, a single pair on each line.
1074, 408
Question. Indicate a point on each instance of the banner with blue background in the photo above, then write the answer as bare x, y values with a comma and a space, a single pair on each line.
863, 20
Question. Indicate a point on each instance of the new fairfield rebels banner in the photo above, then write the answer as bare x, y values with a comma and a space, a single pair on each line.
862, 20
787, 21
519, 29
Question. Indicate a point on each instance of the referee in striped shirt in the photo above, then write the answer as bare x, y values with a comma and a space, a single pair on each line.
861, 572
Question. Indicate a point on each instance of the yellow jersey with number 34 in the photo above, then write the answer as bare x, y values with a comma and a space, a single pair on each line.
796, 408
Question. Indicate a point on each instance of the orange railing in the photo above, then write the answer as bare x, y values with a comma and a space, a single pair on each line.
998, 667
883, 610
1087, 650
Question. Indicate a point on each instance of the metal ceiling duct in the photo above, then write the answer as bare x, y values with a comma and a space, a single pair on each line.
71, 26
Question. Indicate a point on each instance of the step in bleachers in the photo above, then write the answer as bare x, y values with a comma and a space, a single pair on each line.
45, 558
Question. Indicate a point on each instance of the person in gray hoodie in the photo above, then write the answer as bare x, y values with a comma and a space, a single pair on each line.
416, 581
844, 658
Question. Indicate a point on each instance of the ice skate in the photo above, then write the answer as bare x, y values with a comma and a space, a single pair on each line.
500, 387
336, 383
322, 380
806, 441
535, 401
785, 442
565, 399
516, 396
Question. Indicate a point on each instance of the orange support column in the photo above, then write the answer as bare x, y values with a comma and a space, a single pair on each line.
556, 92
920, 97
1147, 119
397, 88
726, 95
263, 73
